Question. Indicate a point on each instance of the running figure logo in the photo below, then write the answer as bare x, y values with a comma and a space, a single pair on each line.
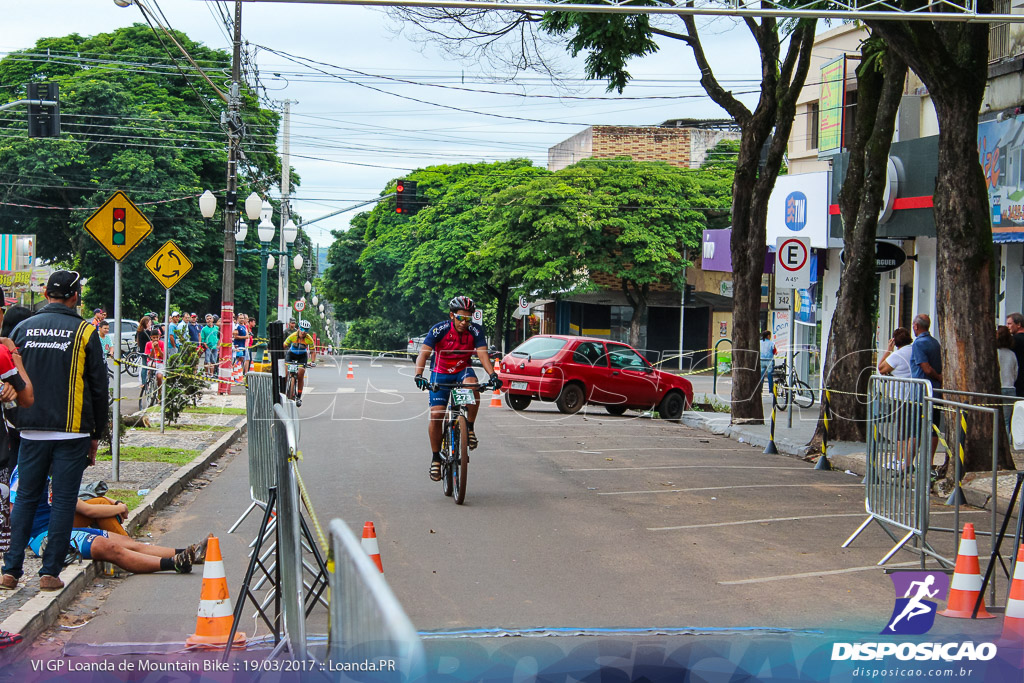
916, 595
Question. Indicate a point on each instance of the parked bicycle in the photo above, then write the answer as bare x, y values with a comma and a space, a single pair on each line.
788, 382
454, 438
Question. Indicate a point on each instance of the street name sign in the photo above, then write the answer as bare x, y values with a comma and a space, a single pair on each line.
118, 226
792, 263
783, 299
169, 264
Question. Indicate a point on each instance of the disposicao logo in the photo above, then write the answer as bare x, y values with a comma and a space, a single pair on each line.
917, 594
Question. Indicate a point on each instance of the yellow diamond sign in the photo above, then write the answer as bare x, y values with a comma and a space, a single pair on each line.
168, 264
118, 226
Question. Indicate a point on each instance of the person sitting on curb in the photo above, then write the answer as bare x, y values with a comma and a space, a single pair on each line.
97, 544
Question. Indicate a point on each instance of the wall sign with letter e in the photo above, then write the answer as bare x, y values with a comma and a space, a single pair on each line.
792, 263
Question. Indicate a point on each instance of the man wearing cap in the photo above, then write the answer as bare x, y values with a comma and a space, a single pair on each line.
98, 316
177, 332
193, 328
60, 432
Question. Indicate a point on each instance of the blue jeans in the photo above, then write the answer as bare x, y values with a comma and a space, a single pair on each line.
65, 462
768, 370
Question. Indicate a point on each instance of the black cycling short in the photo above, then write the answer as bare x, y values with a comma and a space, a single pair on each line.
294, 357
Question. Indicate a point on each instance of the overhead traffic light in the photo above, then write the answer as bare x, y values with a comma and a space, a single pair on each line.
119, 237
405, 198
44, 121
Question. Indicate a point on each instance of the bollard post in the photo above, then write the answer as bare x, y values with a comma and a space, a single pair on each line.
770, 449
957, 496
823, 462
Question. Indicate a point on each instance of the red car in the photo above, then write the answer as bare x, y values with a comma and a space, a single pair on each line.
573, 371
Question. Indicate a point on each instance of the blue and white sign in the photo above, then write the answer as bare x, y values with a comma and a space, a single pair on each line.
798, 207
796, 211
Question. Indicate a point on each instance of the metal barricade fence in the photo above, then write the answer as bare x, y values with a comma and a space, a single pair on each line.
259, 417
367, 622
896, 485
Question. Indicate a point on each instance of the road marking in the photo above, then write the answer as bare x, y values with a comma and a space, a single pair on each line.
811, 575
722, 488
809, 468
627, 436
788, 519
630, 450
388, 391
346, 390
753, 521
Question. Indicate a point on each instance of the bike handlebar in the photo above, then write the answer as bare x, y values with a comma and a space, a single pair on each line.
434, 386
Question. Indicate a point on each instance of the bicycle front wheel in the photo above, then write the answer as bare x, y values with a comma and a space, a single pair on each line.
447, 483
461, 452
781, 397
802, 394
289, 392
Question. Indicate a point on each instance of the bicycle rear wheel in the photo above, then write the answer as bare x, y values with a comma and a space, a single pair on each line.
802, 394
130, 364
781, 396
461, 452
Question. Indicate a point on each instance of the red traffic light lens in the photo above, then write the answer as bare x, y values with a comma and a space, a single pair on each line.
118, 214
401, 187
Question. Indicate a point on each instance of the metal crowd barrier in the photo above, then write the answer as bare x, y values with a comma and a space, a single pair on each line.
896, 486
367, 622
259, 417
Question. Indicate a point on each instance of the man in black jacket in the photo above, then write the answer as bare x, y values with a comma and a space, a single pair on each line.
61, 431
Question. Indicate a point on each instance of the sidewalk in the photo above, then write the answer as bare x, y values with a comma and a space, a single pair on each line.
29, 611
843, 455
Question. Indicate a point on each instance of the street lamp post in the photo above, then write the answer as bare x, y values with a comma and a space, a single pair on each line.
265, 231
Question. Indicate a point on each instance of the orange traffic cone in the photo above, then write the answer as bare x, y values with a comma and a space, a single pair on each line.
213, 626
370, 545
236, 372
1013, 620
350, 375
496, 399
966, 585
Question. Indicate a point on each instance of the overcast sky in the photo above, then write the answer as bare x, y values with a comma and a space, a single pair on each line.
350, 137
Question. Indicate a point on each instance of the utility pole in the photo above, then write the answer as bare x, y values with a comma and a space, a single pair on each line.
227, 306
283, 311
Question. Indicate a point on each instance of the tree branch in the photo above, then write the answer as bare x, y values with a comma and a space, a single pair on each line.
712, 87
672, 34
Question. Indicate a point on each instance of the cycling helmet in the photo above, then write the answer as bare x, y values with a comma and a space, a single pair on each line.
305, 325
463, 303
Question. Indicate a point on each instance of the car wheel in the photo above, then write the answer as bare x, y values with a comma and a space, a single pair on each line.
570, 399
517, 401
671, 407
616, 410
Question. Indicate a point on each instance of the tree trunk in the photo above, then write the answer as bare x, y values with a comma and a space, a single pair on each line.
952, 61
848, 362
636, 295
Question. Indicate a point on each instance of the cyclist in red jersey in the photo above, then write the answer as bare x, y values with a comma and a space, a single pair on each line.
452, 342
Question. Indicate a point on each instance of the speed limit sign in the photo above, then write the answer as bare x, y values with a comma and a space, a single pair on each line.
300, 305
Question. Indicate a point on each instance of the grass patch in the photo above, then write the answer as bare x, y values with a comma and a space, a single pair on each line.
126, 496
186, 428
204, 410
175, 456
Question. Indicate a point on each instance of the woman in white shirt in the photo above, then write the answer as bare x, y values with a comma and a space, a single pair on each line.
1007, 369
895, 359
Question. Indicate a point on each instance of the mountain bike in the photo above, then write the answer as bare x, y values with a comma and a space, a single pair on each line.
787, 382
454, 438
131, 362
292, 383
150, 392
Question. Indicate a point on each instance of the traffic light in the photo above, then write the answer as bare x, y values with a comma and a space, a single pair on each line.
44, 122
119, 238
688, 294
405, 198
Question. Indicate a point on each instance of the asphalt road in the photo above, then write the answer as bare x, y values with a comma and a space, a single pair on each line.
570, 521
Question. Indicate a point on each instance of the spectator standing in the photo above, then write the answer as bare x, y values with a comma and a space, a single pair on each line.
193, 328
142, 337
177, 333
767, 362
241, 339
895, 360
98, 316
103, 329
1007, 369
926, 363
210, 339
12, 318
156, 352
60, 432
1015, 323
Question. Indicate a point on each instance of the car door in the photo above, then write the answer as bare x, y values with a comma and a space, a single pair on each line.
632, 376
589, 363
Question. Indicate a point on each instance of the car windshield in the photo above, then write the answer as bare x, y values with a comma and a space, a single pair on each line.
539, 347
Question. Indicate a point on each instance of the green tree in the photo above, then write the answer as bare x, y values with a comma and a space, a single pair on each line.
129, 124
629, 221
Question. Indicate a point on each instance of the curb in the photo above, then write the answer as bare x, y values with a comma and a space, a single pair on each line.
42, 610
